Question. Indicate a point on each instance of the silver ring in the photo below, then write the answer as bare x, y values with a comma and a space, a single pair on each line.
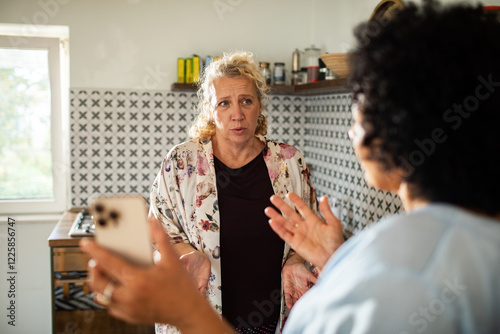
104, 298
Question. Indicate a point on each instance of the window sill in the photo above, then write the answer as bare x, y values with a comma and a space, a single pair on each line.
52, 217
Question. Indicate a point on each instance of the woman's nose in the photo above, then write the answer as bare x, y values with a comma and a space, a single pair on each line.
237, 113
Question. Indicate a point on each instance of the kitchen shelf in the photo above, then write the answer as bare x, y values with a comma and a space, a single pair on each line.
315, 88
183, 87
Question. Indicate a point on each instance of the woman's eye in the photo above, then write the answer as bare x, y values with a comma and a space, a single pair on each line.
223, 103
247, 101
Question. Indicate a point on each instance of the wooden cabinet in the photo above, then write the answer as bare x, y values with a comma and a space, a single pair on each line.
69, 273
67, 259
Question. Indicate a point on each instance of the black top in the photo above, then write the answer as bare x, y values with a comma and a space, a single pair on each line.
251, 253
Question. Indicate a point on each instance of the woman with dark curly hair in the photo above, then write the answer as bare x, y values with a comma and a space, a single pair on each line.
425, 116
426, 110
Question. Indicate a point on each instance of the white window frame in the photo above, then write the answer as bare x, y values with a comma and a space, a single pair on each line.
55, 39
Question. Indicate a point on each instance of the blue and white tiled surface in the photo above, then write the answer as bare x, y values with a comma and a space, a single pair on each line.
119, 138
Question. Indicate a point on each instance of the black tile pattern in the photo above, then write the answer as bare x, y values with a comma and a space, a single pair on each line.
336, 170
119, 138
286, 120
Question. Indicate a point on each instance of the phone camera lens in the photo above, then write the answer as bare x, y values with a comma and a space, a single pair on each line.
99, 208
102, 222
114, 215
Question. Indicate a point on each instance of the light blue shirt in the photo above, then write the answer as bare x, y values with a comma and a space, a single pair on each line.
435, 270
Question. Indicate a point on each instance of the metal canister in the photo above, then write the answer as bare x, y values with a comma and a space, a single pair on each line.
296, 78
296, 61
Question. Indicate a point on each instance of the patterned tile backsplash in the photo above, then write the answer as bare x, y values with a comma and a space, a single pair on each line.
336, 170
119, 138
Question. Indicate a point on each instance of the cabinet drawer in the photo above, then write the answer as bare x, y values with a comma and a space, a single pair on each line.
69, 259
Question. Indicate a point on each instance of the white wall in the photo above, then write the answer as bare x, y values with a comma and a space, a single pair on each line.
120, 44
135, 43
32, 292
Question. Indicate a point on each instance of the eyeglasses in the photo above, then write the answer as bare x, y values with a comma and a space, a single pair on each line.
356, 132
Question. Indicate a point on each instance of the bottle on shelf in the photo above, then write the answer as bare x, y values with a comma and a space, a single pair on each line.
279, 73
266, 71
296, 77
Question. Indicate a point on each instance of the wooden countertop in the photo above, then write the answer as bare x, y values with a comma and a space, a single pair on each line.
59, 236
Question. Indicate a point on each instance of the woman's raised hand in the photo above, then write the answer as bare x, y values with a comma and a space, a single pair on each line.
310, 236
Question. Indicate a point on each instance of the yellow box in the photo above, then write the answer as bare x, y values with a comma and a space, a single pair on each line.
181, 70
196, 69
189, 70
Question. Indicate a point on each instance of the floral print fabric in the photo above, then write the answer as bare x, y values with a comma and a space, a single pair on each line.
184, 199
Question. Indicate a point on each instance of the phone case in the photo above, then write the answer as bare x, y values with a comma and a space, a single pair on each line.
121, 226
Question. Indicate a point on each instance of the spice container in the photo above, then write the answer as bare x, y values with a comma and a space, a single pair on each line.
297, 78
279, 73
312, 55
266, 71
303, 75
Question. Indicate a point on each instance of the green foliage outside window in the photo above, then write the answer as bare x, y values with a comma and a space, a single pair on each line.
25, 136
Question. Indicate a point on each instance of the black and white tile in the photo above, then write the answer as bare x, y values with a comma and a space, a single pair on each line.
336, 170
286, 120
119, 138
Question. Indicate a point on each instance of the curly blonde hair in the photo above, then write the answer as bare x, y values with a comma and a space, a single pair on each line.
231, 65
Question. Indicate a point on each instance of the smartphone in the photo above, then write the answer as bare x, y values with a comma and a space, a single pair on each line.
121, 225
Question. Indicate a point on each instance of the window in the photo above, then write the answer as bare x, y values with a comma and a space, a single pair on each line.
34, 113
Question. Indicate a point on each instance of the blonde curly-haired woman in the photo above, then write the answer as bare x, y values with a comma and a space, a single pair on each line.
210, 196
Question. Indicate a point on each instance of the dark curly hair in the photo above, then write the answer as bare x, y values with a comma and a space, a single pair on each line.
430, 78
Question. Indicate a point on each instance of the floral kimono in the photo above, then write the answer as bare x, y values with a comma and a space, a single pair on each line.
184, 198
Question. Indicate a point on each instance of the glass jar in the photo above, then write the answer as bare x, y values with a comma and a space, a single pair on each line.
266, 72
279, 73
312, 55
